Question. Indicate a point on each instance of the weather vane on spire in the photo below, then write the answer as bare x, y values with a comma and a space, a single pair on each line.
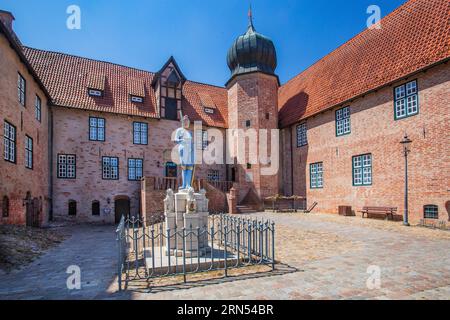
250, 18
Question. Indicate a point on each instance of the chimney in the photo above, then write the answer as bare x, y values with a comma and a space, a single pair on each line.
7, 18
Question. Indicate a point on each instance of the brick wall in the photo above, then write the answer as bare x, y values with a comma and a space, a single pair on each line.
374, 130
72, 137
15, 179
253, 97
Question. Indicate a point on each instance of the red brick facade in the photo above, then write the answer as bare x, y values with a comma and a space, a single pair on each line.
16, 181
374, 130
361, 75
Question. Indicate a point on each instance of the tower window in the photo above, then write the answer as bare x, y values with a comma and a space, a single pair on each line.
343, 121
248, 123
406, 100
302, 137
431, 212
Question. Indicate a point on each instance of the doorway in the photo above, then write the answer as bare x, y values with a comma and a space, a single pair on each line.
121, 208
33, 210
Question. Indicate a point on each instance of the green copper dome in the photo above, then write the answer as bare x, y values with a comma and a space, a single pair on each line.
252, 52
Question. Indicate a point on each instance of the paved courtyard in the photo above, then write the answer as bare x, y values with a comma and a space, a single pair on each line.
322, 256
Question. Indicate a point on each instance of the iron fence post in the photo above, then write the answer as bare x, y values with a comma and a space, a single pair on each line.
119, 267
225, 252
184, 255
273, 246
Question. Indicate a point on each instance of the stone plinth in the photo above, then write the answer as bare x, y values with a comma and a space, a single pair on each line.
189, 211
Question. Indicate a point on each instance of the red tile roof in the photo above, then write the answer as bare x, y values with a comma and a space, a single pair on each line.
68, 78
413, 37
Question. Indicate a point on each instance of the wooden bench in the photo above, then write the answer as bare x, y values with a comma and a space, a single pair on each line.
388, 212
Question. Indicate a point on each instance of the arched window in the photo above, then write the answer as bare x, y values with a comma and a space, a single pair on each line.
72, 208
95, 208
431, 211
5, 207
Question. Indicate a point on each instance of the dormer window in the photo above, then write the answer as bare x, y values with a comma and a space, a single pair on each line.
95, 93
209, 110
137, 99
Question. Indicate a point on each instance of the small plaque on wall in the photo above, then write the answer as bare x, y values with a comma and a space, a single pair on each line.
249, 177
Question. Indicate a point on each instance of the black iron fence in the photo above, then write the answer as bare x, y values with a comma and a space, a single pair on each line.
226, 242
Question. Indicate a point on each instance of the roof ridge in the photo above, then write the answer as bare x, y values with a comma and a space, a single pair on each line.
90, 59
345, 43
113, 63
206, 84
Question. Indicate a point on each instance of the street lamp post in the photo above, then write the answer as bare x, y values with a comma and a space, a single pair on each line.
406, 142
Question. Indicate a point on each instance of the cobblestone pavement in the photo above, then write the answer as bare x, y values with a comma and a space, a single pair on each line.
414, 264
92, 248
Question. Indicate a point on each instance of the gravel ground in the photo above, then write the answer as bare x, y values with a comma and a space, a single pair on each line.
20, 245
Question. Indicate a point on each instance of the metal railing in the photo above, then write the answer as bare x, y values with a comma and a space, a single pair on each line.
226, 242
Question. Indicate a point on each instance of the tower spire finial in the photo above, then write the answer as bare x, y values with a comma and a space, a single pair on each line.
250, 18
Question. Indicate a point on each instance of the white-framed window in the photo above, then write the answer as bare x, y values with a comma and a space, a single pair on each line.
316, 175
343, 124
208, 110
406, 100
21, 89
431, 212
213, 175
9, 142
135, 169
362, 170
95, 93
67, 166
140, 133
96, 129
202, 139
110, 168
38, 108
28, 152
137, 99
302, 137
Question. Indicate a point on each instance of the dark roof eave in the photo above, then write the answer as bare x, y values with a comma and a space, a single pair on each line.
250, 72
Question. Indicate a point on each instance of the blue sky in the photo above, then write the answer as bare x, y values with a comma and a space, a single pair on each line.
198, 33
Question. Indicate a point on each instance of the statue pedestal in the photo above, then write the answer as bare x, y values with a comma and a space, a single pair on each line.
186, 211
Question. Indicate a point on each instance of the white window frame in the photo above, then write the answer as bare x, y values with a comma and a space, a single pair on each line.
406, 100
10, 142
302, 135
362, 170
343, 122
110, 168
135, 169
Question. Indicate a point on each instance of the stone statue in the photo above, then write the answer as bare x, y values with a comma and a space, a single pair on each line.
183, 137
169, 202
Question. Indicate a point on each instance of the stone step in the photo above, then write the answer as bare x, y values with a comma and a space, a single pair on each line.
245, 209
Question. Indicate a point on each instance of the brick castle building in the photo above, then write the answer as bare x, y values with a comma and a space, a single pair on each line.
90, 140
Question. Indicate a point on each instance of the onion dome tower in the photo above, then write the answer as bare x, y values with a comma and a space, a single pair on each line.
253, 106
252, 52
